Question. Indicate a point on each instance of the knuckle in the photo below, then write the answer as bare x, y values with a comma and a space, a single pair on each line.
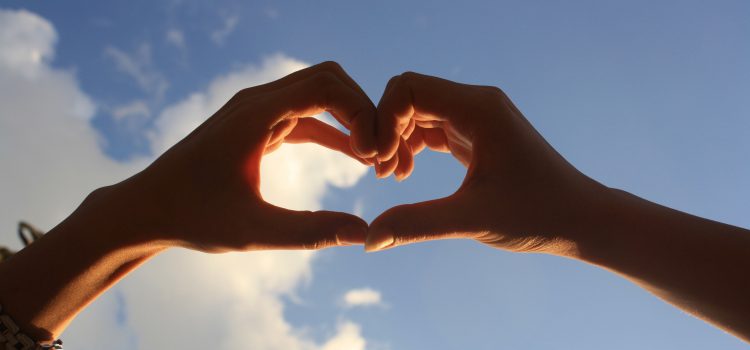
331, 66
494, 90
326, 79
409, 75
325, 83
242, 94
492, 97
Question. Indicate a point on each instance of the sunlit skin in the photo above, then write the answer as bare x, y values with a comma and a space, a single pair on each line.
201, 194
519, 195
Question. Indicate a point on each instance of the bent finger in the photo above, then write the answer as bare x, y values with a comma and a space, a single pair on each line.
316, 131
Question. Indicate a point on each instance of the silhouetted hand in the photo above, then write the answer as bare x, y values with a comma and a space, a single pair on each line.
203, 193
518, 194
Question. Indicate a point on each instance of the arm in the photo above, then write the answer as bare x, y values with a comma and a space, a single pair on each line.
201, 194
698, 265
520, 195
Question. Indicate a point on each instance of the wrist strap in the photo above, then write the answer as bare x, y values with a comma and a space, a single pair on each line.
11, 337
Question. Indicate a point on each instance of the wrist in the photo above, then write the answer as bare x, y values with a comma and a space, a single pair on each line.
605, 226
587, 218
47, 283
124, 217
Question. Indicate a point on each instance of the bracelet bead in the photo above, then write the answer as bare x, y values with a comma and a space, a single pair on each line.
11, 337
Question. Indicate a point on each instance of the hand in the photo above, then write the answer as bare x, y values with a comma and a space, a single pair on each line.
519, 194
205, 190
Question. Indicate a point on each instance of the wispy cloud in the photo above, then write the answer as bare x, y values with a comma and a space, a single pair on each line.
229, 24
139, 66
176, 38
137, 109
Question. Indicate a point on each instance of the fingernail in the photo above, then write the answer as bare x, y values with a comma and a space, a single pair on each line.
382, 157
370, 154
379, 171
383, 240
399, 177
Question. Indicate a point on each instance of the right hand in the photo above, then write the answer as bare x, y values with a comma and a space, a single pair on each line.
519, 194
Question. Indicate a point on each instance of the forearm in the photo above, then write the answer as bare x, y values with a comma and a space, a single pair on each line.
698, 265
44, 286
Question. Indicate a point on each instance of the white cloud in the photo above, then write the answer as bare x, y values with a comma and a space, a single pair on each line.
348, 338
138, 65
229, 24
181, 299
137, 109
176, 38
362, 297
27, 42
49, 152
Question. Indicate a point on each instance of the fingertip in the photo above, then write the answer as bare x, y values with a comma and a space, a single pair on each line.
360, 147
387, 151
379, 240
352, 234
363, 134
388, 167
387, 143
405, 161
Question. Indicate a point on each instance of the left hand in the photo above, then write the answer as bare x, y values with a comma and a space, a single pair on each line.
203, 193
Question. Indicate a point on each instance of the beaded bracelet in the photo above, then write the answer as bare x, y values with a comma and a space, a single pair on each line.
11, 337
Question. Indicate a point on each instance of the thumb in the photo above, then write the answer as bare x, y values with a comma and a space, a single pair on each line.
443, 218
291, 229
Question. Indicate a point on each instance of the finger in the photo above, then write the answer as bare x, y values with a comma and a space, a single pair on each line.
316, 131
291, 229
321, 92
449, 217
395, 110
428, 99
386, 168
281, 129
405, 161
302, 74
436, 139
416, 141
362, 126
409, 129
363, 138
272, 147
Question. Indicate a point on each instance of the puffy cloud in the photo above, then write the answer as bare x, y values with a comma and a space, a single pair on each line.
52, 158
362, 297
49, 152
348, 338
27, 41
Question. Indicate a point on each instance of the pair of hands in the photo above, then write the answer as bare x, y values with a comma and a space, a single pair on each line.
203, 193
518, 195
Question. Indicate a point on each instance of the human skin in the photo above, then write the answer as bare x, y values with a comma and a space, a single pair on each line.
520, 195
202, 194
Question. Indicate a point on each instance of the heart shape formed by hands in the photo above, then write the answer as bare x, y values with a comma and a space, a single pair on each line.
207, 185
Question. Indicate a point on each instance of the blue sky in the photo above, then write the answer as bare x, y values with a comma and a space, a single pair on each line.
650, 97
